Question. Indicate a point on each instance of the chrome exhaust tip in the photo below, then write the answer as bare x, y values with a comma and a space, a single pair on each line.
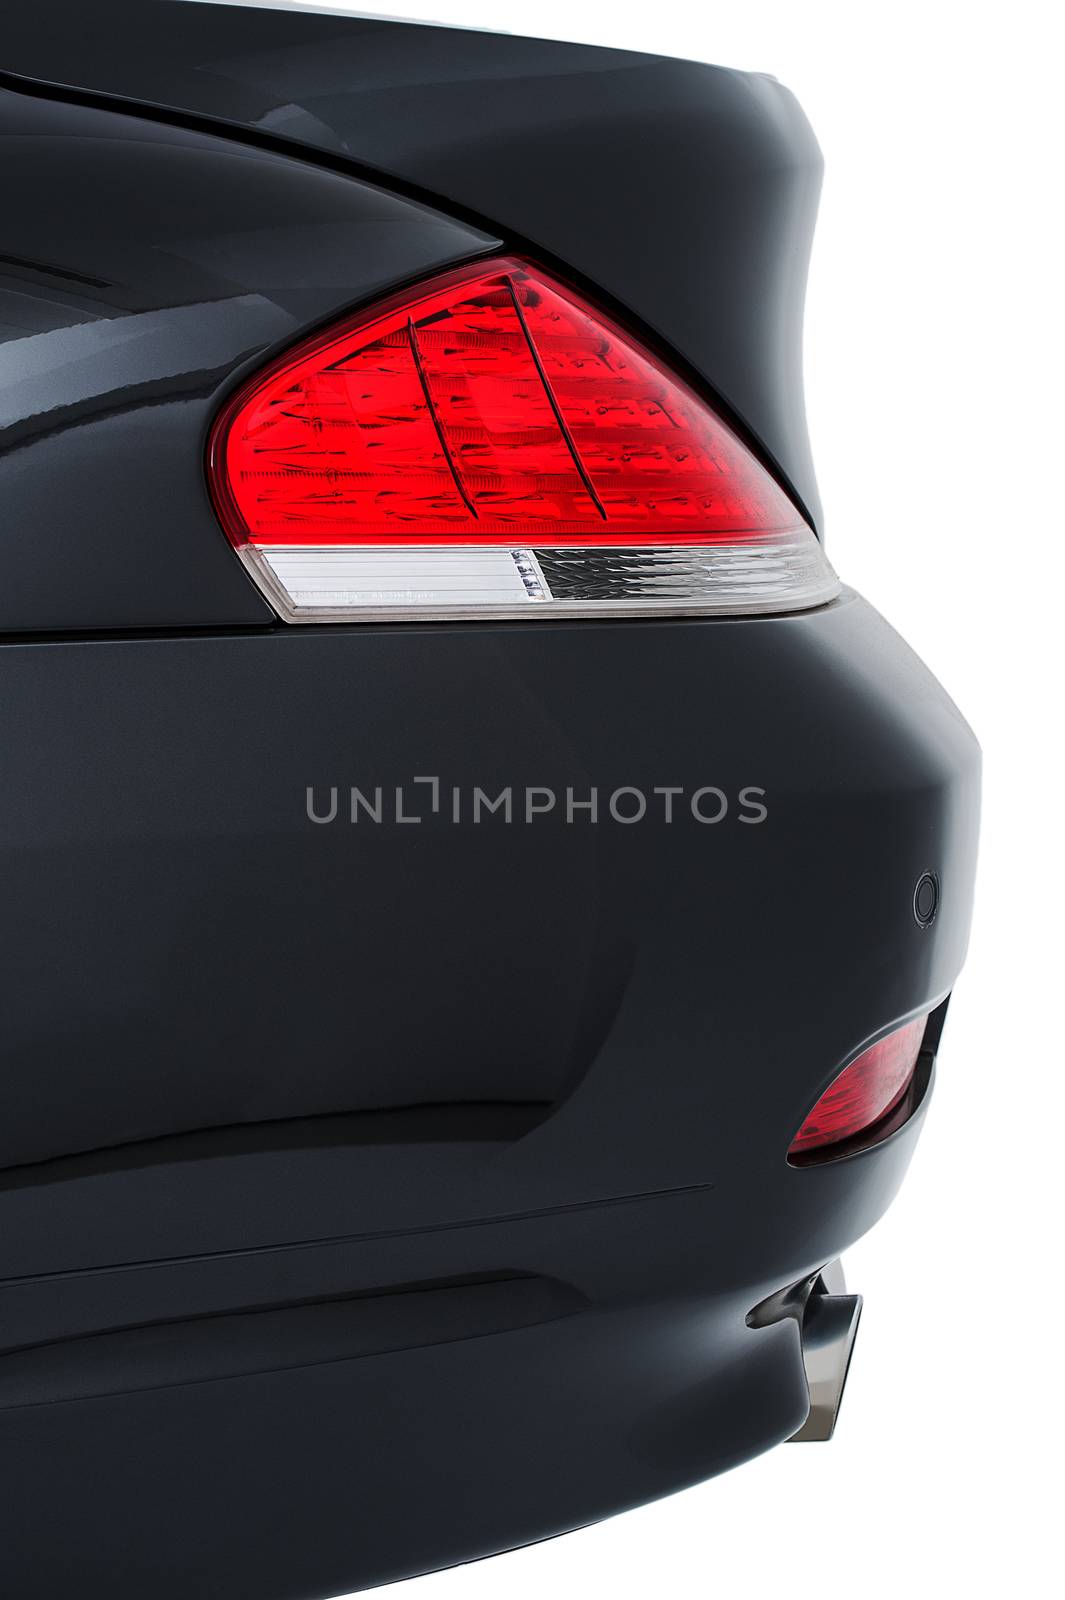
828, 1329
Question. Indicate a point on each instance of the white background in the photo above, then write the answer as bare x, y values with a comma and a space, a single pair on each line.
934, 373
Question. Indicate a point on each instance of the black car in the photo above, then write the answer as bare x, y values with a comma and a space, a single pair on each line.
479, 898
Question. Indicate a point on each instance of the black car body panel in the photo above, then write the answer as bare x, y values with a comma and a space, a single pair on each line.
381, 1187
229, 960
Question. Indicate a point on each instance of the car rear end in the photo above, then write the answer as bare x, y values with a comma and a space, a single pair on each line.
480, 897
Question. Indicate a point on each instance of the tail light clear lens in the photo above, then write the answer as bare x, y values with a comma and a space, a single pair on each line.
864, 1094
489, 444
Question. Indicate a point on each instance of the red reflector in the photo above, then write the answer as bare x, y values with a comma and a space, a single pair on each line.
489, 405
865, 1092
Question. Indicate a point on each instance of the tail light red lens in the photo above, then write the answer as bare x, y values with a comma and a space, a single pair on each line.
864, 1094
488, 401
473, 442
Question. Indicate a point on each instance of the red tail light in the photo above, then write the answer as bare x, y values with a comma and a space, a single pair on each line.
864, 1094
489, 440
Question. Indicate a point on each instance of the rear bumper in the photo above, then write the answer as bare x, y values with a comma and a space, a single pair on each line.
594, 1041
187, 950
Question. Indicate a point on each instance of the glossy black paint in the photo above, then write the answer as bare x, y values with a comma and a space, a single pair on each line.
495, 1383
231, 1297
143, 270
686, 192
217, 946
508, 1408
